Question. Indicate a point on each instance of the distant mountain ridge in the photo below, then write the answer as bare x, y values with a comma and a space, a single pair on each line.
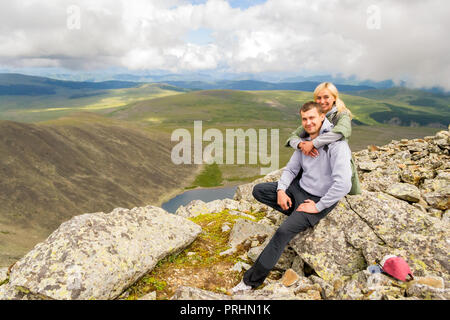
18, 84
254, 85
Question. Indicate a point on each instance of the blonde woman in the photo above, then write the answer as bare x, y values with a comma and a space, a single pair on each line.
327, 95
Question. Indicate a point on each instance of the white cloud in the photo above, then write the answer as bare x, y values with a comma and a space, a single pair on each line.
279, 35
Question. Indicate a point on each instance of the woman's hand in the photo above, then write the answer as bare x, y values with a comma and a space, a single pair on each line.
308, 148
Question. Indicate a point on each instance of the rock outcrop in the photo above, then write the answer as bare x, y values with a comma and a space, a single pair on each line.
98, 255
403, 210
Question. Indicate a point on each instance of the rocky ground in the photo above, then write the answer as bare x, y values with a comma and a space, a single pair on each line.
403, 210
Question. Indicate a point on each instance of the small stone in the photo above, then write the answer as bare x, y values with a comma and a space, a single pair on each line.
404, 191
239, 266
289, 278
369, 165
255, 243
372, 148
149, 296
228, 252
3, 274
435, 282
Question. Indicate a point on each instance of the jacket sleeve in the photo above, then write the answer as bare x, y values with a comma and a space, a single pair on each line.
343, 125
326, 138
290, 171
341, 174
342, 129
295, 138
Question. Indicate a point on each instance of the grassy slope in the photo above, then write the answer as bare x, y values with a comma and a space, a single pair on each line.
228, 109
421, 107
67, 101
52, 171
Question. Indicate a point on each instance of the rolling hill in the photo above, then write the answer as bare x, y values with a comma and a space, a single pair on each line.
52, 171
18, 84
371, 107
31, 99
410, 107
254, 85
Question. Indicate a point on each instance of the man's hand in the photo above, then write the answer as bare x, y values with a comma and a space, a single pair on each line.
308, 206
283, 200
308, 148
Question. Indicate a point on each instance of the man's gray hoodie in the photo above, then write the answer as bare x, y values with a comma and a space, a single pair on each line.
327, 176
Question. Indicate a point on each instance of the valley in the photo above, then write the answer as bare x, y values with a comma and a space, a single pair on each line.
68, 148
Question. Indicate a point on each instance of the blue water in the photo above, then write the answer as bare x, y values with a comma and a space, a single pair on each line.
205, 195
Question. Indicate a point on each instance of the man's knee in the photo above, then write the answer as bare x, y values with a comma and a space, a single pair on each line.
284, 234
258, 191
292, 226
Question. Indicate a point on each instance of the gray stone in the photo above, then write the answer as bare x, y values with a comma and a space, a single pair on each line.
189, 293
404, 191
436, 192
297, 266
98, 255
239, 266
149, 296
3, 275
244, 229
369, 165
244, 192
428, 288
192, 209
327, 291
226, 227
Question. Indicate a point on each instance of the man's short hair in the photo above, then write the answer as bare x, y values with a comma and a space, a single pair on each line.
310, 105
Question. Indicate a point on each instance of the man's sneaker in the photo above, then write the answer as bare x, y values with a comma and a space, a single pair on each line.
240, 288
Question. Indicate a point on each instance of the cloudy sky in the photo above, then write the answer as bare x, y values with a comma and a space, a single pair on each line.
376, 39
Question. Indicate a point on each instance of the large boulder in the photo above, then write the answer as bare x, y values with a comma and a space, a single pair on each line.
366, 227
326, 247
98, 255
244, 192
199, 207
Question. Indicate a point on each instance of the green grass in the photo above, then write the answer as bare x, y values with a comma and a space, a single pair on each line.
211, 176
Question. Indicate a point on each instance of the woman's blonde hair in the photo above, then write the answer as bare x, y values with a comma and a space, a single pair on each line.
334, 91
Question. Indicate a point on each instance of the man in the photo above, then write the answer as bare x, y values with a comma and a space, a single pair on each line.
306, 200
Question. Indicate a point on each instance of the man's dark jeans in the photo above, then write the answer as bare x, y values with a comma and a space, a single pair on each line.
297, 221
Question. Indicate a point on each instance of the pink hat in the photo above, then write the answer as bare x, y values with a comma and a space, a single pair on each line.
396, 267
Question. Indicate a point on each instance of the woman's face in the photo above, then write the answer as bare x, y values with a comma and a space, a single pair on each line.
325, 99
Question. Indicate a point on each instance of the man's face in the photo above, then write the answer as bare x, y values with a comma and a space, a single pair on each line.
312, 121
